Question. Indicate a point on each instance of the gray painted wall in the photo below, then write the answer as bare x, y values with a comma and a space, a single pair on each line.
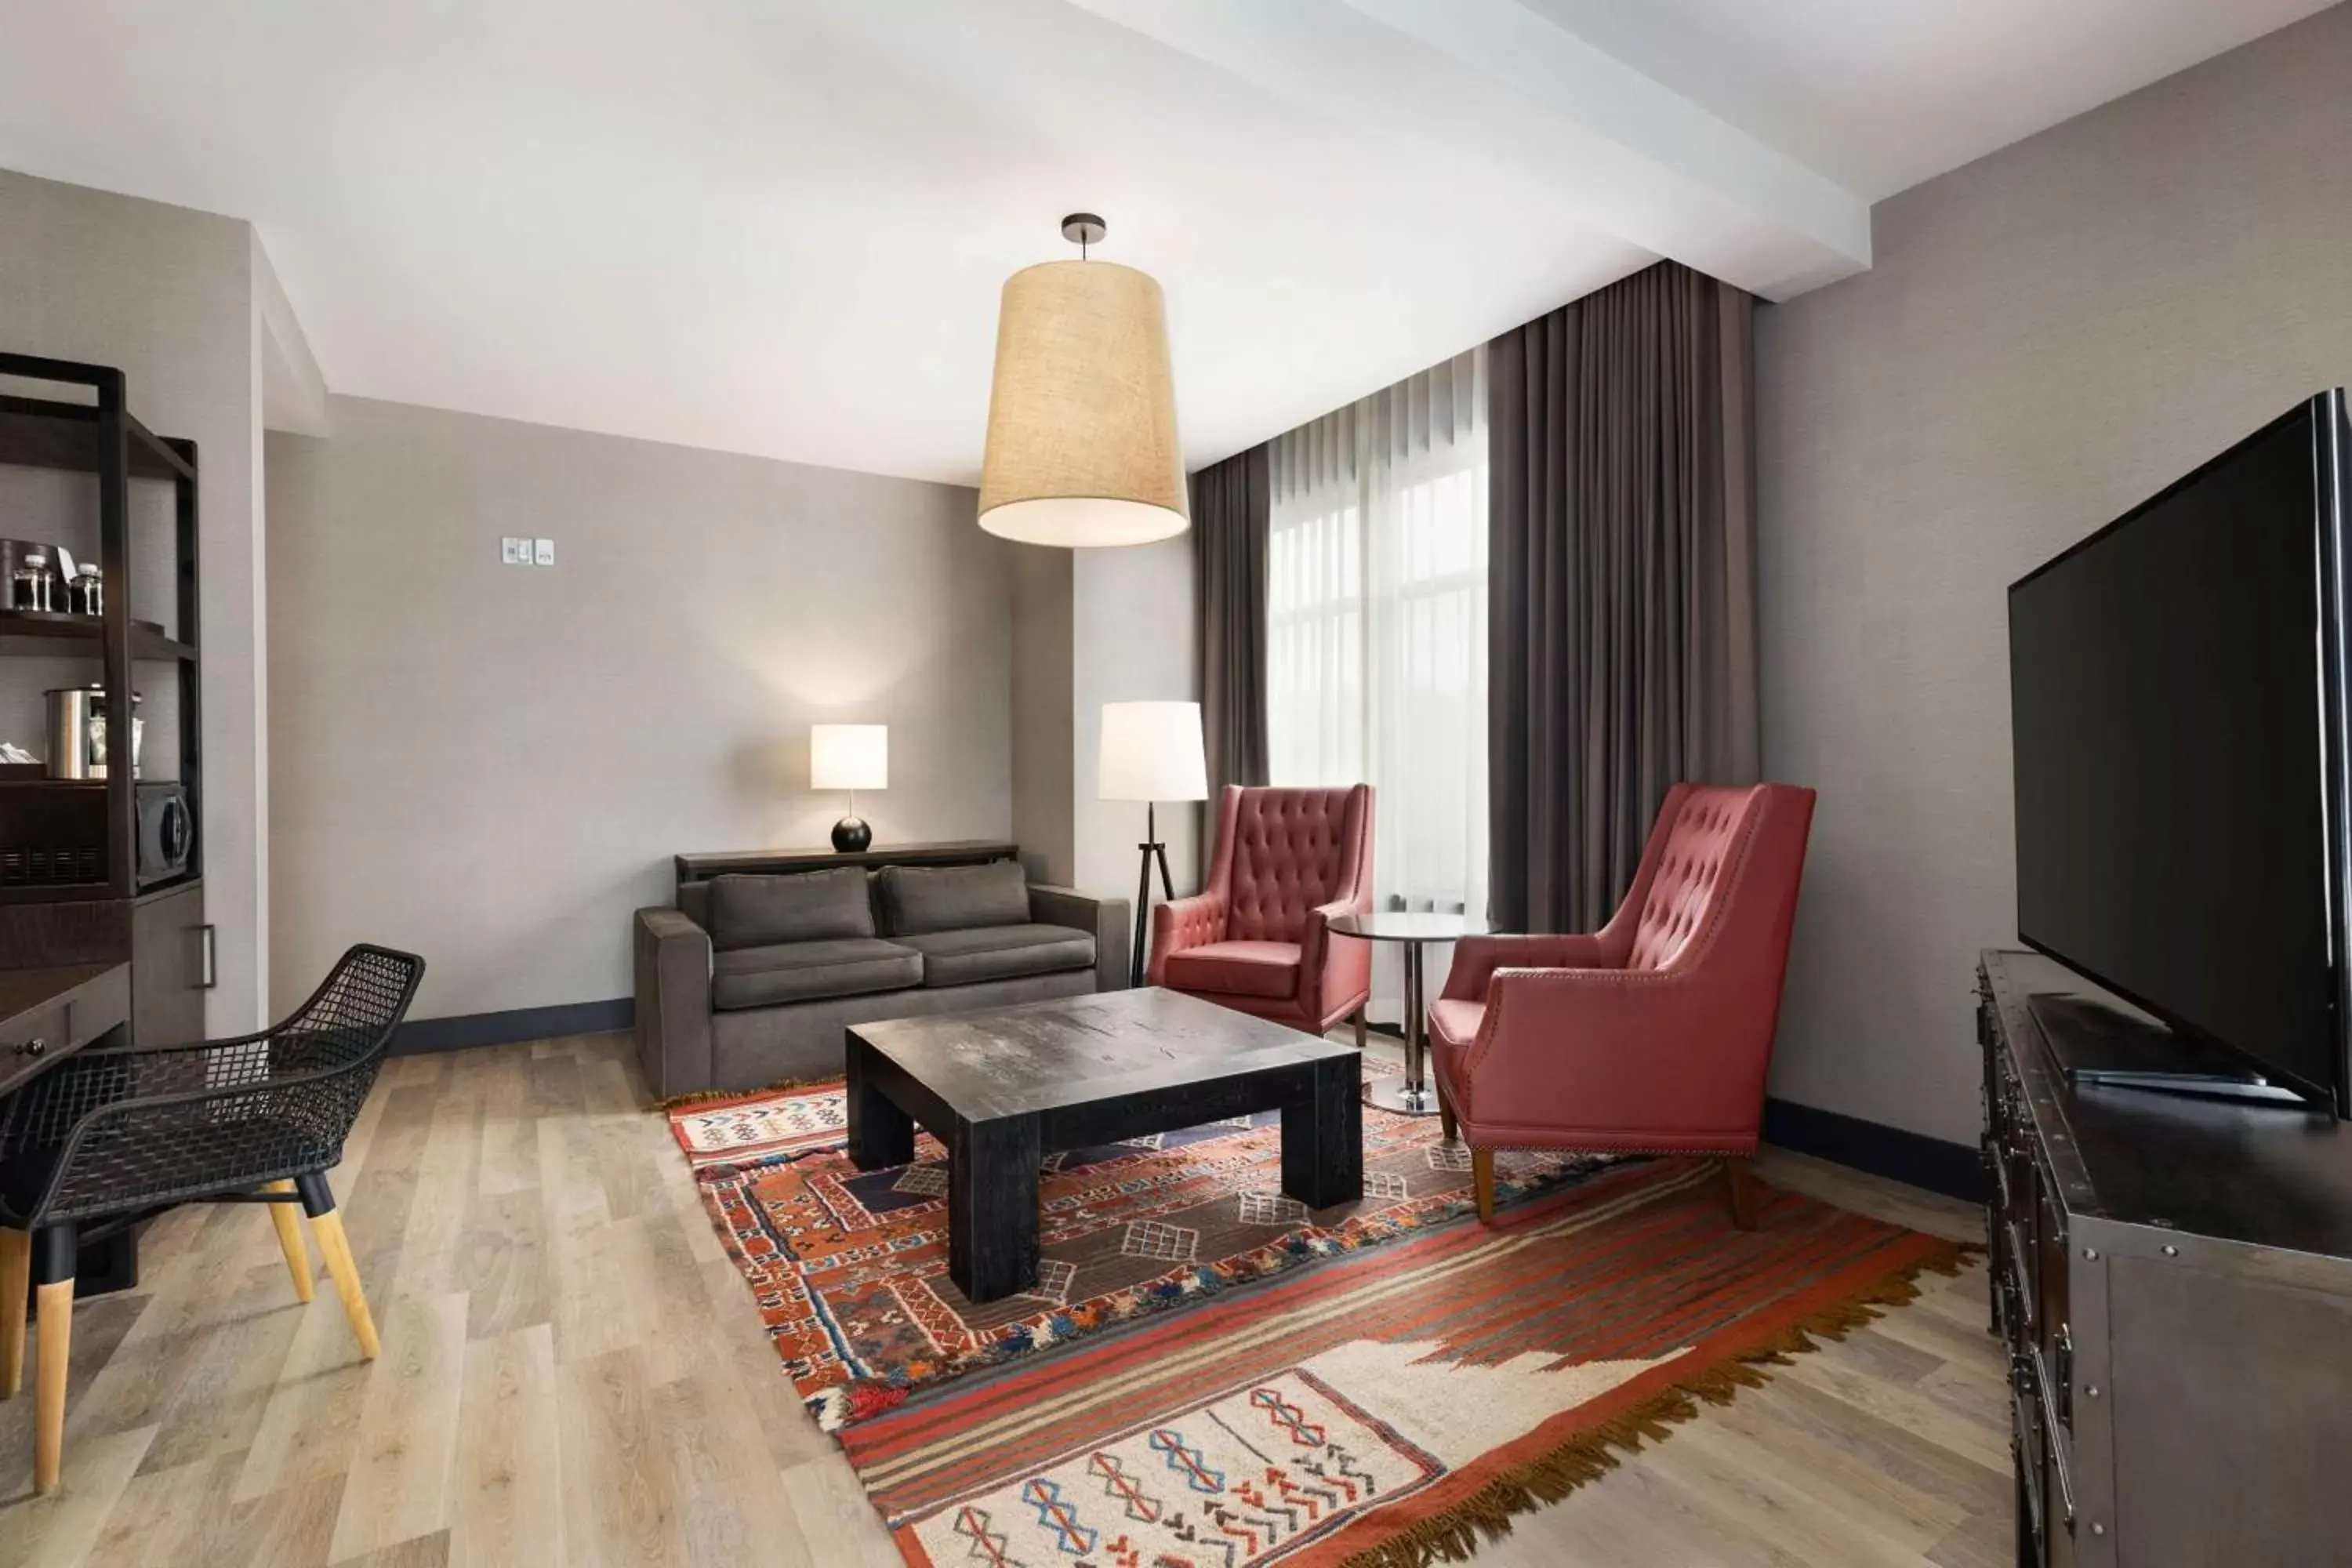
1042, 736
166, 295
492, 764
2047, 337
1132, 641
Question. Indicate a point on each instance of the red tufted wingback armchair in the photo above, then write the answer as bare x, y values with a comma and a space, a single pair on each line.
1258, 938
1652, 1035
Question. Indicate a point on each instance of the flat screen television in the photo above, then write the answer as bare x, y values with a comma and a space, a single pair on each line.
2178, 684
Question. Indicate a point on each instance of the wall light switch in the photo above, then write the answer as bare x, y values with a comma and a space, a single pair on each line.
542, 552
514, 552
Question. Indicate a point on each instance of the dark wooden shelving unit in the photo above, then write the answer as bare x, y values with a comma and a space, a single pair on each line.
34, 634
49, 914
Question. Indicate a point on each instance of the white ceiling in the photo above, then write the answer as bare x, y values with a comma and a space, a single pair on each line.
778, 225
1881, 94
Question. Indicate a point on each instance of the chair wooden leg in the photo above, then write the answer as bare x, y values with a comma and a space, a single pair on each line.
15, 1287
1481, 1179
53, 1295
289, 1241
328, 1225
1741, 1180
1360, 1026
1447, 1124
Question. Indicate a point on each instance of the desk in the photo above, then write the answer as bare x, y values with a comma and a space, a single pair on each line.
46, 1016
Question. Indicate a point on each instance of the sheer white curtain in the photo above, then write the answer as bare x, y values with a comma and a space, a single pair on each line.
1376, 647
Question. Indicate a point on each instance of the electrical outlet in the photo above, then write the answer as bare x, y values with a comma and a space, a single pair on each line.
542, 552
514, 552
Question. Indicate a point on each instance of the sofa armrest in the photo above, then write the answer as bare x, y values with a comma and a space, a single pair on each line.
1105, 917
1475, 959
673, 1023
1180, 923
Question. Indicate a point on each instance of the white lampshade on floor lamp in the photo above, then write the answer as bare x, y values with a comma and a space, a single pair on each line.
850, 757
1152, 752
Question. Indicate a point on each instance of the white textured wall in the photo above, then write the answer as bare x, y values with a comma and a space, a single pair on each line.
166, 295
2047, 337
492, 764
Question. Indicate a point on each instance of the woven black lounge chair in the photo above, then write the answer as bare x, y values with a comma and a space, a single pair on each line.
111, 1138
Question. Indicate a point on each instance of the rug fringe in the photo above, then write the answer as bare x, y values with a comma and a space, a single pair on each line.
1490, 1512
709, 1096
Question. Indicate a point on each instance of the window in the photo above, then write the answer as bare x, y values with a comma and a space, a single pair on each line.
1376, 648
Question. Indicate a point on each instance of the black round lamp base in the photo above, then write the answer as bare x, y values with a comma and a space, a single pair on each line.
851, 835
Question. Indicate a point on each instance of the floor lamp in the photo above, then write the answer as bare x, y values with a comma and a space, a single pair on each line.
1151, 753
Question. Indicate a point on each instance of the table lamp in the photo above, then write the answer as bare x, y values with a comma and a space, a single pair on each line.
850, 757
1152, 752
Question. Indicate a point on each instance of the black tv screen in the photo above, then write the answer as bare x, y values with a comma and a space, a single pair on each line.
2173, 748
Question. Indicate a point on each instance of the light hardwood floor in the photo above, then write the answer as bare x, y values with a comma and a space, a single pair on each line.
572, 1374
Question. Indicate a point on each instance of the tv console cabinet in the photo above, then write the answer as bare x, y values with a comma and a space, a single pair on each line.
2173, 1278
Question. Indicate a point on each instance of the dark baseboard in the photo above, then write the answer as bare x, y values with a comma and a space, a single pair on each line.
1954, 1170
467, 1030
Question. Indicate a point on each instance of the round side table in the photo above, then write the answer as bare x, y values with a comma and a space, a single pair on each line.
1416, 1096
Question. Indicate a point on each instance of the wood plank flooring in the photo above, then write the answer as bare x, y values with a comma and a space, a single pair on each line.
572, 1374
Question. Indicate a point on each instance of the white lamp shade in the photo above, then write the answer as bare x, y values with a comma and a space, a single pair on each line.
1151, 750
849, 756
1082, 412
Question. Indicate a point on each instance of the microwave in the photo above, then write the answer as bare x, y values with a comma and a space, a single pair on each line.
167, 833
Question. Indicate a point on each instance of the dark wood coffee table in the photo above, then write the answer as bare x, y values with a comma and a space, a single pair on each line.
1004, 1086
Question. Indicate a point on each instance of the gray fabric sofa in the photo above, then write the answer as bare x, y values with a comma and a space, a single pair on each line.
751, 980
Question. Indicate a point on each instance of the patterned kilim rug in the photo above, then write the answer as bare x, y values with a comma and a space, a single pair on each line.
1402, 1380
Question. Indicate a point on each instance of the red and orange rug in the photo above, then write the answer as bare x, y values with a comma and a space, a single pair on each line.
1397, 1380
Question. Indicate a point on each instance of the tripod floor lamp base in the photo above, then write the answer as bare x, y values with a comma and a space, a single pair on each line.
1153, 850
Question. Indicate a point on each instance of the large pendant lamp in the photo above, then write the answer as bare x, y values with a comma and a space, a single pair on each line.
1082, 416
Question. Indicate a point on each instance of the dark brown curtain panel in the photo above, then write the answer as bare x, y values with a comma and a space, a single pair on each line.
1232, 510
1621, 581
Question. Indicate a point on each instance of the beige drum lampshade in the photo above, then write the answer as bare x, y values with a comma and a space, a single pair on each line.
1081, 418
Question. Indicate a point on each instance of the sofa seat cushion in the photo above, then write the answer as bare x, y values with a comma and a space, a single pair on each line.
809, 971
1001, 952
1236, 968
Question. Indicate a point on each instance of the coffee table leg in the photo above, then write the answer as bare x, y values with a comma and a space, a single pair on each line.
992, 1206
1323, 1138
880, 1134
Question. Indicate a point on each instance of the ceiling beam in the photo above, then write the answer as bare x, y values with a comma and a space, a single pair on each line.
1516, 95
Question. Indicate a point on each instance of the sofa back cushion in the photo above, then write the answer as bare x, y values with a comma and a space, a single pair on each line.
917, 900
806, 906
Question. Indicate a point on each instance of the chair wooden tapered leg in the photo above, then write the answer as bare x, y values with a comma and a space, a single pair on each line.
1359, 1024
15, 1285
53, 1294
1741, 1180
1447, 1124
319, 1203
1482, 1180
289, 1241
